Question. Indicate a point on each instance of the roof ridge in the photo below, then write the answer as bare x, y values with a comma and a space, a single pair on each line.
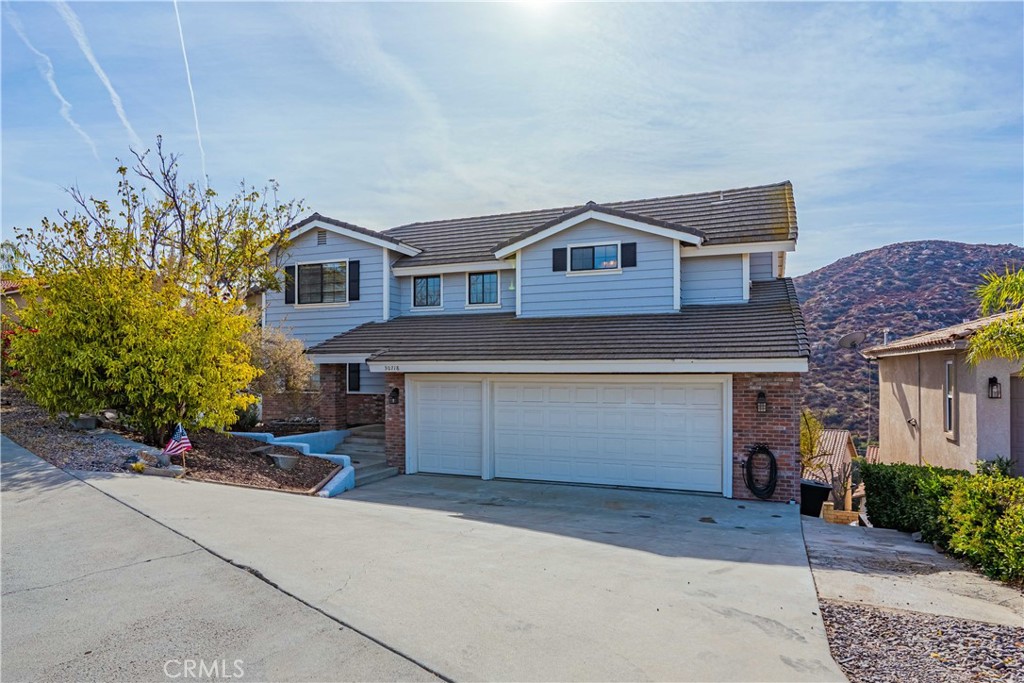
615, 204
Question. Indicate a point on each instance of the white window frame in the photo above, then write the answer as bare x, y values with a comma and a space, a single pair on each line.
569, 272
949, 398
412, 293
335, 304
497, 275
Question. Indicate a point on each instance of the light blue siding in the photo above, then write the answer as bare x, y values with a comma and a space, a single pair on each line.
394, 292
646, 288
370, 382
761, 266
712, 279
454, 296
316, 323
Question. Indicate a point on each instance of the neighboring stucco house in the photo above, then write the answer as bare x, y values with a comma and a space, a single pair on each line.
11, 298
647, 343
935, 408
835, 454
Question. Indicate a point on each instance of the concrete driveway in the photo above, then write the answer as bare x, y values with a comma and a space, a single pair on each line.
519, 581
94, 591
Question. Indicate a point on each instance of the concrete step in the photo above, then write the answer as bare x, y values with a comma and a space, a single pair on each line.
356, 450
367, 429
368, 440
371, 475
364, 461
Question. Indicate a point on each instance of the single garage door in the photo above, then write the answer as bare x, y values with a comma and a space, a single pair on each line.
655, 435
449, 427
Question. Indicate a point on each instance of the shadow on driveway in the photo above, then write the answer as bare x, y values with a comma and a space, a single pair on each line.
665, 523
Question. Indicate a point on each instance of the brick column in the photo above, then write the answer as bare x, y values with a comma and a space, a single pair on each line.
779, 428
394, 420
333, 401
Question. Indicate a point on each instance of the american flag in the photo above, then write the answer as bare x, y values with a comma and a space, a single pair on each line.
179, 442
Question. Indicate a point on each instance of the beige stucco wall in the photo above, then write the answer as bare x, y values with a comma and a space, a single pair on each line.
6, 307
911, 387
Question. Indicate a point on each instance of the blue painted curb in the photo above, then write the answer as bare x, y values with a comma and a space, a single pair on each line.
320, 441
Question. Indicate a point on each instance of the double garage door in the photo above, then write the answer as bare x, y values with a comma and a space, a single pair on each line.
627, 432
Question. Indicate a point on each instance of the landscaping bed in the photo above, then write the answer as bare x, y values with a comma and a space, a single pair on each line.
216, 457
226, 458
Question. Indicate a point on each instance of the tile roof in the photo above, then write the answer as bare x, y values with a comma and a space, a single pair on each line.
948, 337
593, 206
10, 286
768, 326
764, 213
834, 449
871, 453
342, 224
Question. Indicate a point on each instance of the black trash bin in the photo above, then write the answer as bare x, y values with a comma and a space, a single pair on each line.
813, 495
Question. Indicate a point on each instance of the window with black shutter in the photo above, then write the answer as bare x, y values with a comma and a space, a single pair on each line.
323, 283
289, 284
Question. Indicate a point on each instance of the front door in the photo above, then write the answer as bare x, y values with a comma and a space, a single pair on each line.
1017, 424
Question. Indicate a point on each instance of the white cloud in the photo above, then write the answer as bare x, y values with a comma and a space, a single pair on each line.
45, 66
71, 19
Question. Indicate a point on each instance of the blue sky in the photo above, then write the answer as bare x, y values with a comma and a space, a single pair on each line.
894, 121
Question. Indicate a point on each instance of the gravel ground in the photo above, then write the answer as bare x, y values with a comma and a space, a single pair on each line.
54, 441
878, 646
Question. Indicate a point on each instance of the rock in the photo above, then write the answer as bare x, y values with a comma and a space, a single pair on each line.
916, 536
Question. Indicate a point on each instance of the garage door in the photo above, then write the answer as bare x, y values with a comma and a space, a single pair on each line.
448, 428
645, 434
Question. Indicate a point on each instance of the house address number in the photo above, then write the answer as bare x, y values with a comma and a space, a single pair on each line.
391, 368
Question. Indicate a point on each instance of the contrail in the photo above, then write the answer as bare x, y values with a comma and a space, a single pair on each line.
188, 77
45, 67
71, 19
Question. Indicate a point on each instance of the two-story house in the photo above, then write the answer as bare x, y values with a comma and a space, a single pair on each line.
647, 343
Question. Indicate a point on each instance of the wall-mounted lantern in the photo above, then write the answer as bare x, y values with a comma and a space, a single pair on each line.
393, 397
762, 402
995, 389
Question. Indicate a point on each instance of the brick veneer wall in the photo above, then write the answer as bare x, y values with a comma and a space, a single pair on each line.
291, 404
779, 428
394, 421
365, 409
333, 406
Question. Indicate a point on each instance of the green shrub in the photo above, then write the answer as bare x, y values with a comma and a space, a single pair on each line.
985, 517
248, 418
909, 497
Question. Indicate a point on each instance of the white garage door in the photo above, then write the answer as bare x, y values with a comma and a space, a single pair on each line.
448, 427
644, 434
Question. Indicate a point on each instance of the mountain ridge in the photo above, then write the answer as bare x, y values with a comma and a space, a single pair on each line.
907, 287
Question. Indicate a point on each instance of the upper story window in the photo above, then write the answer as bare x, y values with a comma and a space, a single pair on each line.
426, 291
949, 398
594, 257
482, 289
323, 283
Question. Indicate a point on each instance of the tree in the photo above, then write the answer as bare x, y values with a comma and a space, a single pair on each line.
1002, 338
811, 430
142, 309
282, 360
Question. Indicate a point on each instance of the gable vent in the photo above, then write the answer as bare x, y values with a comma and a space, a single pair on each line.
321, 237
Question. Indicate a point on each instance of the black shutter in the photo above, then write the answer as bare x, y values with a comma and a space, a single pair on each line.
629, 255
353, 377
289, 284
558, 257
353, 280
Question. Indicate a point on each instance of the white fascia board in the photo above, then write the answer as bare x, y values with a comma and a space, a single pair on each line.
745, 248
443, 268
600, 216
948, 346
369, 239
337, 358
594, 366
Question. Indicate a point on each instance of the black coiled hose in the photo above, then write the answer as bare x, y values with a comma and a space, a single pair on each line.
765, 490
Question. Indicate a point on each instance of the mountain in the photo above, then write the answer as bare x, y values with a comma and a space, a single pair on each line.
908, 287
